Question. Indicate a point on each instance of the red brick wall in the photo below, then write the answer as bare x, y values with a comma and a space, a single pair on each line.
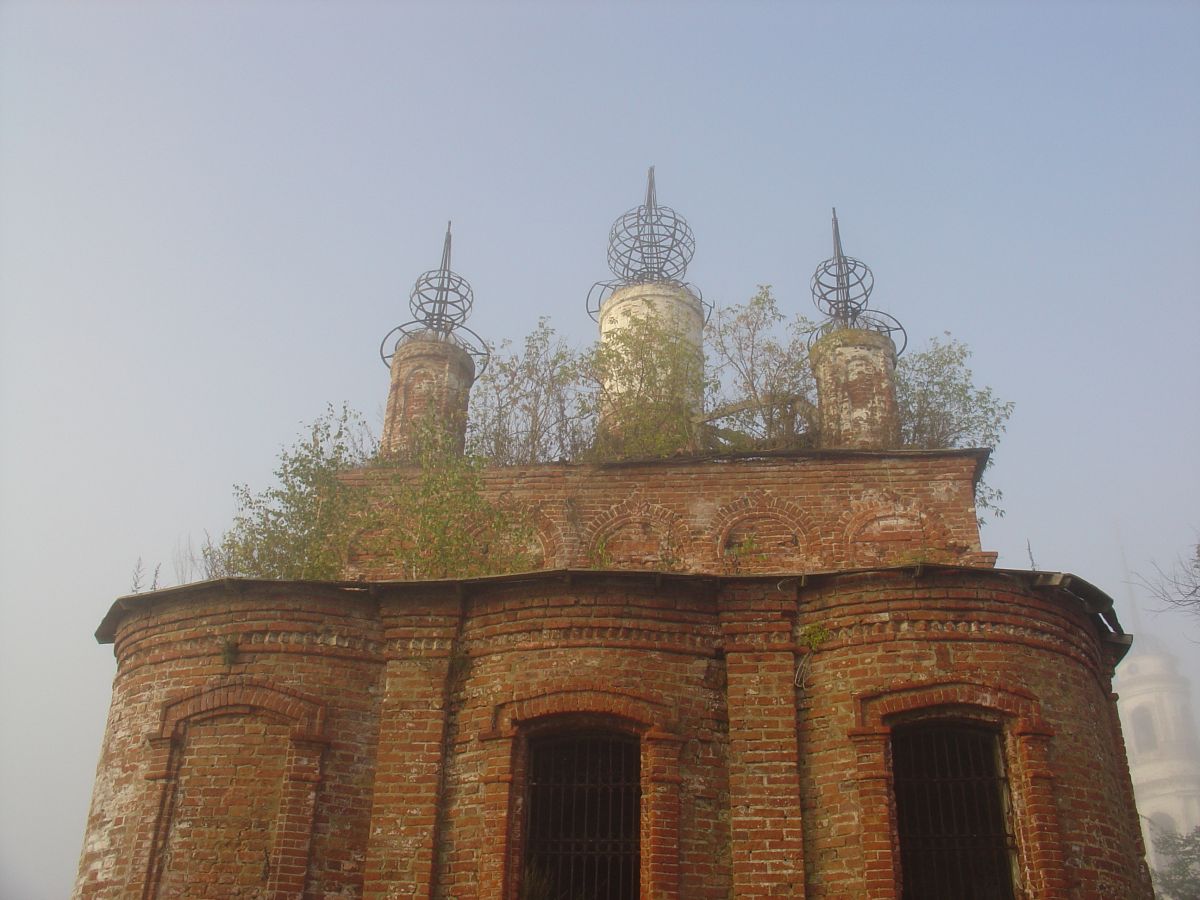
807, 511
980, 647
203, 672
377, 732
393, 721
226, 803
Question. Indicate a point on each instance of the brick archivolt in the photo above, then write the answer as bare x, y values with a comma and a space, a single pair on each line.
879, 526
880, 523
306, 714
657, 534
761, 513
643, 713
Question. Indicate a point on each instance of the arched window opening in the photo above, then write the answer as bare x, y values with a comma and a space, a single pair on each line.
582, 833
1145, 738
952, 812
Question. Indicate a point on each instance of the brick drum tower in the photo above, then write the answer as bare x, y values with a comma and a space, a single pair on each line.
783, 674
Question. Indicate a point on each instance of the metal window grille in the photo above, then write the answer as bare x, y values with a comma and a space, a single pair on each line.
951, 810
582, 837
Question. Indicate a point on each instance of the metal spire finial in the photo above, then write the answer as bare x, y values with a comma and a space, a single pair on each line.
843, 274
841, 288
436, 312
446, 244
440, 303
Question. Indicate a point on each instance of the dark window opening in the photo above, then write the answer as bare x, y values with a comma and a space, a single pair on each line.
1144, 736
951, 810
582, 837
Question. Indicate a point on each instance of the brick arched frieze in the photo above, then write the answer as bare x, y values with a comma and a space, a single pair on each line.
639, 534
549, 537
239, 698
883, 527
781, 529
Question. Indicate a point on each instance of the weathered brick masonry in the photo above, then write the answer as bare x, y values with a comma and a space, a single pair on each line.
370, 738
805, 511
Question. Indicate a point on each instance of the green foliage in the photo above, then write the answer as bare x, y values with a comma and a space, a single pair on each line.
543, 402
644, 384
301, 527
437, 522
940, 406
1178, 878
814, 635
766, 394
767, 398
527, 406
434, 521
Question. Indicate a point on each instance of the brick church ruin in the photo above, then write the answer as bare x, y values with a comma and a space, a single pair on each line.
784, 674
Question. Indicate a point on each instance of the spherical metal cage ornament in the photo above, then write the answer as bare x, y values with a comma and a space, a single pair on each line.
650, 244
867, 320
841, 288
441, 300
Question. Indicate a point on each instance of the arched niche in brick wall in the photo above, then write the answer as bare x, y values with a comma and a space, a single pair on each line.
638, 534
540, 540
763, 533
1016, 715
252, 752
885, 528
506, 742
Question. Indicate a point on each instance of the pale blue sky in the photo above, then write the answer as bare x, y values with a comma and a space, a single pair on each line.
210, 213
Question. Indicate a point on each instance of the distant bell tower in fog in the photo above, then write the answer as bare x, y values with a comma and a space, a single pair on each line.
1161, 740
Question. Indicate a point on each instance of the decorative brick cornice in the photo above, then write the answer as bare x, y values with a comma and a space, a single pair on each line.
699, 642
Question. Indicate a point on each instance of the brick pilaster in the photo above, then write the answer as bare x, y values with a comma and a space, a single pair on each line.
764, 784
402, 847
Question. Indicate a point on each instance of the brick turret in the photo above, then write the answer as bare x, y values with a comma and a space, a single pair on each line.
430, 387
668, 304
432, 363
856, 390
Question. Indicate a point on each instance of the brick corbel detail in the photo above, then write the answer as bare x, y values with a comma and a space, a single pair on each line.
406, 805
294, 821
764, 784
1030, 775
503, 793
